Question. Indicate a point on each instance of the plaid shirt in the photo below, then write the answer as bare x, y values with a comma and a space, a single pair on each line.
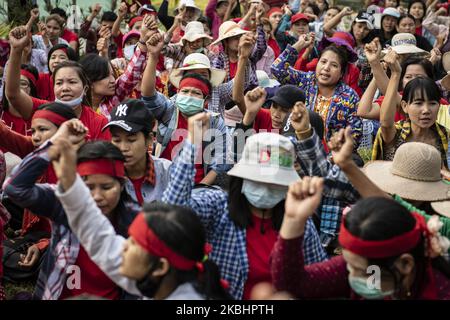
125, 84
41, 199
338, 192
221, 61
343, 106
227, 239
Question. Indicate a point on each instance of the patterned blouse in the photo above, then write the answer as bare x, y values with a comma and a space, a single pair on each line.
342, 109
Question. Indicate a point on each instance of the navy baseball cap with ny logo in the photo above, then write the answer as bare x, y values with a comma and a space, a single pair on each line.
132, 116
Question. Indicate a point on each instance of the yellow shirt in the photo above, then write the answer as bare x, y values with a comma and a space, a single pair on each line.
443, 117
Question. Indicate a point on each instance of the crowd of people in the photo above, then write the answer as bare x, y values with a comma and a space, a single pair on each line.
288, 147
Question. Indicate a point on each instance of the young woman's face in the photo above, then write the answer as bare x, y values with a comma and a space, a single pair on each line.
390, 4
189, 15
278, 115
193, 46
25, 84
68, 85
41, 131
416, 10
53, 30
360, 30
105, 190
233, 43
275, 19
328, 70
357, 266
300, 27
331, 13
389, 23
56, 58
413, 71
134, 146
106, 86
406, 25
421, 111
135, 261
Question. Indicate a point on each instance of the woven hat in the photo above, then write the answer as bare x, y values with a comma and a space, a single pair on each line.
405, 43
267, 158
227, 30
414, 174
197, 61
442, 207
194, 31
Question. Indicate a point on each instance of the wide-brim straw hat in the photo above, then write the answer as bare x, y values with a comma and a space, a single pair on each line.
405, 43
442, 207
194, 31
197, 61
267, 158
414, 174
229, 29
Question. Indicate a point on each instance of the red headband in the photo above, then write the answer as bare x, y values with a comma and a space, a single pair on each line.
147, 239
109, 167
273, 10
29, 76
50, 116
134, 20
193, 82
384, 248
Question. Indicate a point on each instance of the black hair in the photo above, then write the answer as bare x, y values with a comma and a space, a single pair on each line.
71, 54
33, 90
424, 87
80, 71
59, 12
96, 67
423, 7
60, 109
239, 207
314, 8
109, 16
99, 149
325, 7
198, 77
392, 33
414, 60
404, 16
205, 20
342, 54
379, 218
182, 231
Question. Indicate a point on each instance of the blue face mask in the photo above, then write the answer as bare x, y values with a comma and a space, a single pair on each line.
359, 285
72, 103
189, 105
128, 52
262, 195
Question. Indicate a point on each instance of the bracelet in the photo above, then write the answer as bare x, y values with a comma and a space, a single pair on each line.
304, 131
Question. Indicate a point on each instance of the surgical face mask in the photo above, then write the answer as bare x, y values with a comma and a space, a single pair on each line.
262, 195
72, 103
128, 51
360, 286
189, 105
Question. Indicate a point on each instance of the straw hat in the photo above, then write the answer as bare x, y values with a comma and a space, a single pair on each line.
414, 174
267, 158
405, 43
442, 207
197, 61
194, 31
229, 29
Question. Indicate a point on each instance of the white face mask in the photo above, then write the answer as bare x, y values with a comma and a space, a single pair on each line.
128, 51
262, 195
72, 103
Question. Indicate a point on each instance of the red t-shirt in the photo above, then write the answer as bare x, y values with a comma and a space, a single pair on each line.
93, 121
176, 143
118, 42
93, 280
399, 116
17, 124
275, 47
69, 36
419, 30
137, 184
259, 247
263, 121
44, 87
233, 69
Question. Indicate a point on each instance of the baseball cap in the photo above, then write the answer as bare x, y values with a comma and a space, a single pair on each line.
287, 95
132, 116
298, 17
367, 18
